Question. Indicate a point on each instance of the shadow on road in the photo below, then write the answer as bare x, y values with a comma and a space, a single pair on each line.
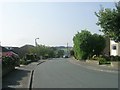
13, 79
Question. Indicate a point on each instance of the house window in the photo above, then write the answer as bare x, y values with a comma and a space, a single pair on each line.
114, 47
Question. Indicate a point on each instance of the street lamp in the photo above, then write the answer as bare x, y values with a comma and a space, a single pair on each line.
36, 46
36, 41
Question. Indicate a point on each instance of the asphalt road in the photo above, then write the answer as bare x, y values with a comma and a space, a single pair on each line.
60, 73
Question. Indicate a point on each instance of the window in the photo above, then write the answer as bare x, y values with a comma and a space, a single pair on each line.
114, 47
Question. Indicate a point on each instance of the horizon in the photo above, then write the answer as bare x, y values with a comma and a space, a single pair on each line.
40, 44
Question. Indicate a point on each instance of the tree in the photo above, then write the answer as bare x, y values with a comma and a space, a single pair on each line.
60, 53
72, 52
86, 44
99, 44
44, 51
109, 20
82, 44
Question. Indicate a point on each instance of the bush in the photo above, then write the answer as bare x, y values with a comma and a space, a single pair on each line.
23, 62
115, 58
10, 61
103, 61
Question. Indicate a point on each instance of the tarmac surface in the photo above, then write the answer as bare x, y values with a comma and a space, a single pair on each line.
63, 73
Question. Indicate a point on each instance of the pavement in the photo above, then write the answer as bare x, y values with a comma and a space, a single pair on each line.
94, 65
20, 77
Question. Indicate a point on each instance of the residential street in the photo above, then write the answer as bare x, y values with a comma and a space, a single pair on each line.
61, 73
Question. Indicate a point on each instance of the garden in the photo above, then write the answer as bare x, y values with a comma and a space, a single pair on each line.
9, 61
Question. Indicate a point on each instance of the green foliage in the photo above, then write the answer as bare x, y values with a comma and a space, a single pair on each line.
86, 44
103, 61
10, 61
98, 44
44, 51
30, 57
60, 53
109, 20
72, 52
115, 58
23, 62
82, 44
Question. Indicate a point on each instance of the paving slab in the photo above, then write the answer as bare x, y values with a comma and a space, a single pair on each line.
20, 77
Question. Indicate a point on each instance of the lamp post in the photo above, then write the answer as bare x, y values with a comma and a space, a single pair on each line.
36, 41
36, 46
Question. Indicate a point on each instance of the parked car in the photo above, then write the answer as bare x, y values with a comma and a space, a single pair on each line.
65, 56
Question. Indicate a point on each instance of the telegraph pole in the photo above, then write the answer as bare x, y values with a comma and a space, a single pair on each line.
67, 49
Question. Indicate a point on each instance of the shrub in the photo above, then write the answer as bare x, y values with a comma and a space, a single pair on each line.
115, 58
23, 62
103, 61
10, 61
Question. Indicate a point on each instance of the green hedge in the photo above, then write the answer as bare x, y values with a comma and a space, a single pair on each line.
10, 61
103, 61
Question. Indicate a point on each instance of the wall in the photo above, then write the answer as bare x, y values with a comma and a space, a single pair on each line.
114, 48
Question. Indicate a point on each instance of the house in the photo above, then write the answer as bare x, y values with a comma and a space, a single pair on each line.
114, 48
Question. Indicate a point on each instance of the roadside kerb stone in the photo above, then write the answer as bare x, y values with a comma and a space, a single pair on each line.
23, 83
31, 75
95, 66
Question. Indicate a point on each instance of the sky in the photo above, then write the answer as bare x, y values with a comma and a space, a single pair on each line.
54, 23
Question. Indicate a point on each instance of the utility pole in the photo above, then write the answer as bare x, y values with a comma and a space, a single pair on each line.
67, 49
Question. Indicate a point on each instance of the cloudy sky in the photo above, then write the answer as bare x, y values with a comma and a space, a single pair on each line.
54, 23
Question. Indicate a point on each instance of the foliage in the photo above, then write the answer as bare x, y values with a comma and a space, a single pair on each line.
30, 57
86, 44
60, 53
98, 44
109, 20
44, 51
115, 58
82, 45
72, 52
10, 61
103, 61
24, 61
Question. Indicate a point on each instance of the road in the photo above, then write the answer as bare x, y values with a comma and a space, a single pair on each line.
60, 73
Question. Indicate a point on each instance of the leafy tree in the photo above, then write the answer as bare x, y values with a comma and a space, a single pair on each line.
82, 47
44, 51
72, 52
60, 53
86, 44
109, 20
99, 44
